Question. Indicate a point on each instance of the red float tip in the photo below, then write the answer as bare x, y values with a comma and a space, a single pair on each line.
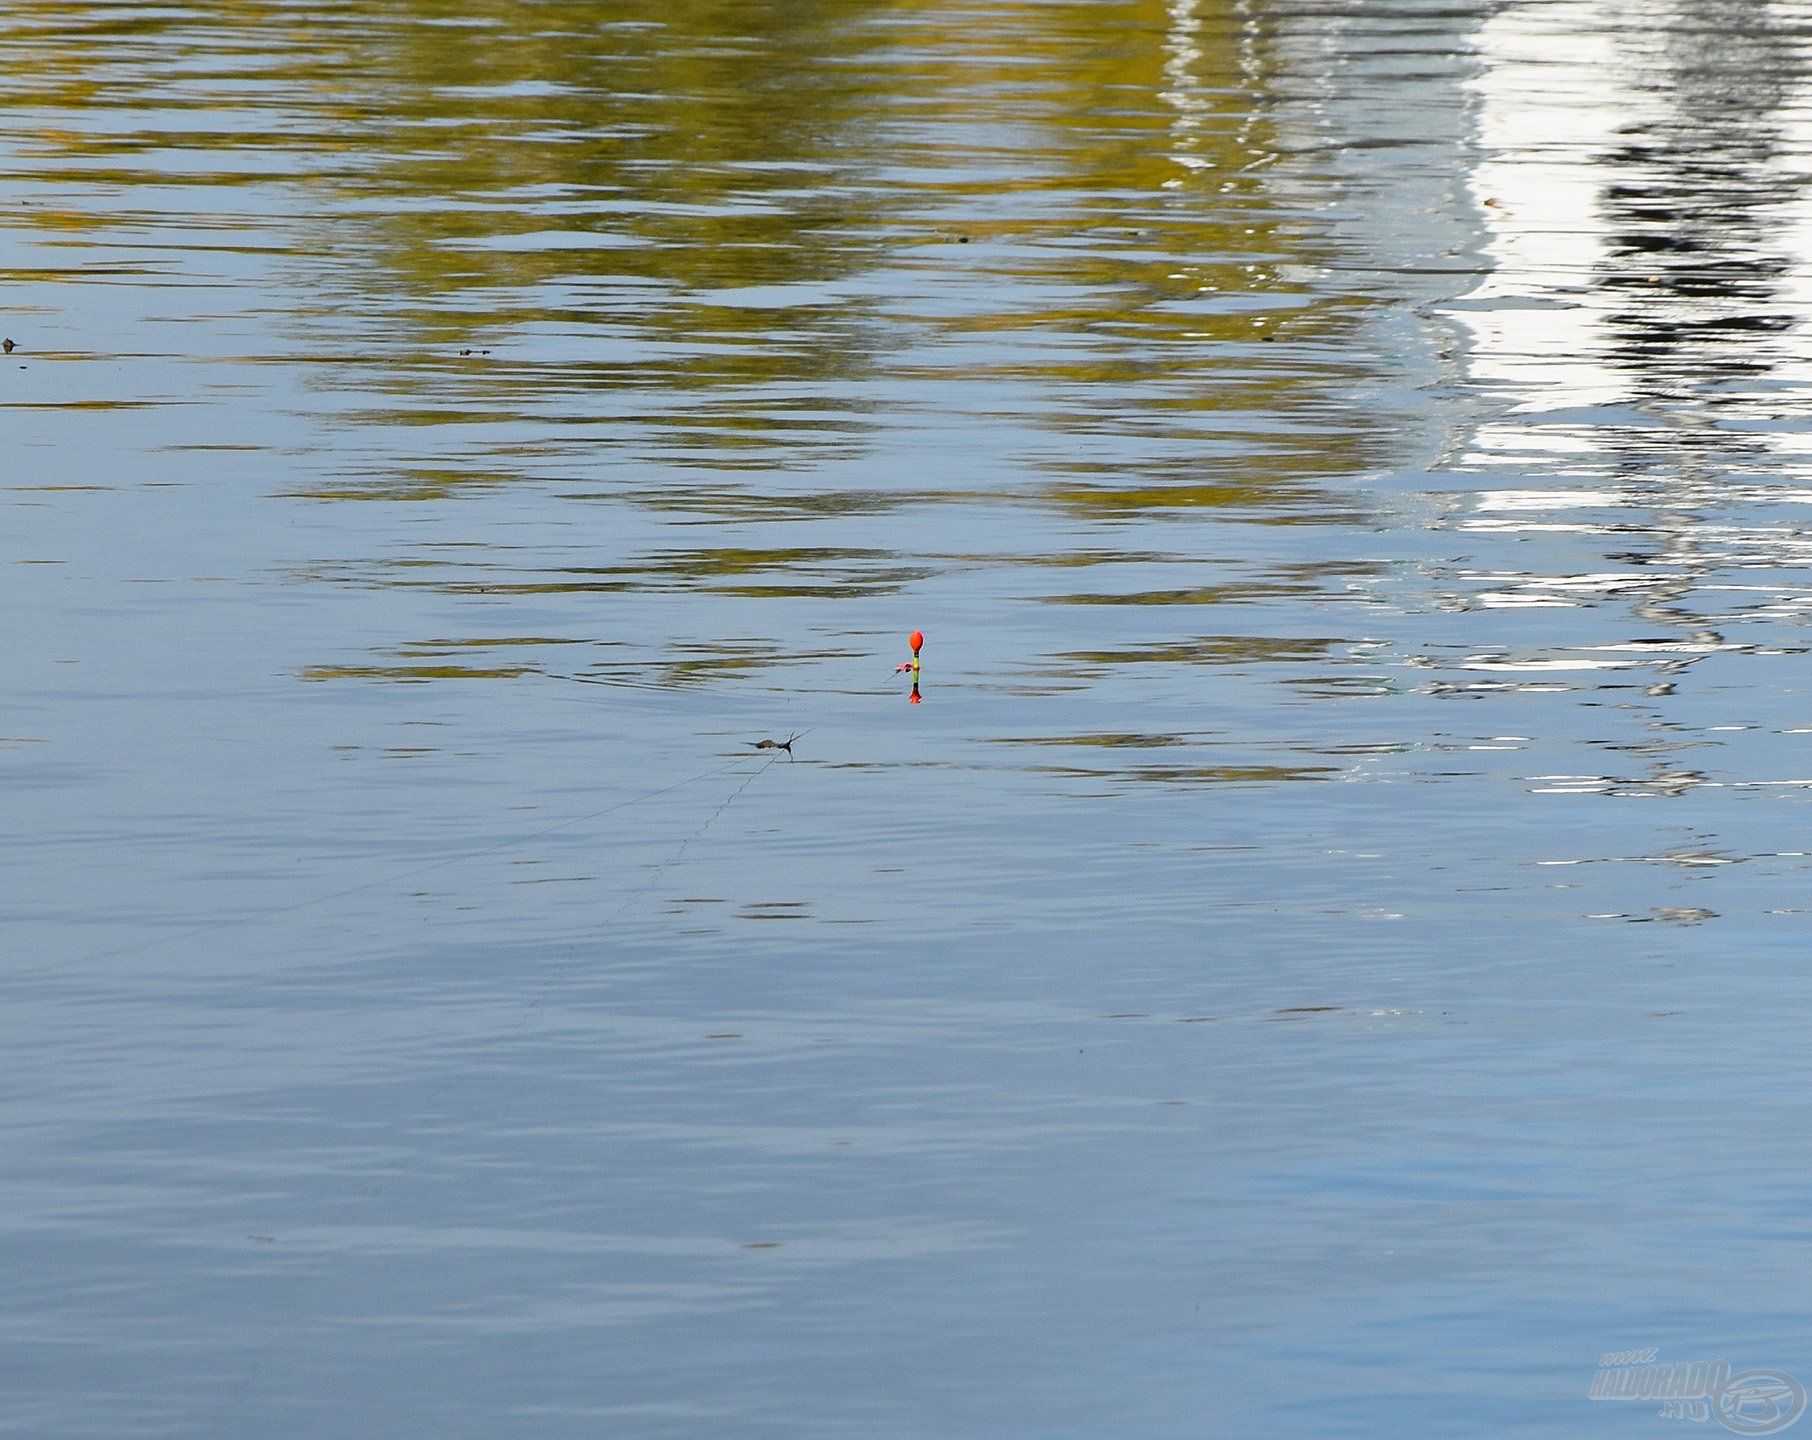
916, 640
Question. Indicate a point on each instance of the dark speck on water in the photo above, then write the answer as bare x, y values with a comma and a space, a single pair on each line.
1355, 476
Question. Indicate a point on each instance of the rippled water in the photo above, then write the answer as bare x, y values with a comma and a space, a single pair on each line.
1326, 957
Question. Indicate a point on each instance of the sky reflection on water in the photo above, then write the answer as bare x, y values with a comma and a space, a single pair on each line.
1324, 956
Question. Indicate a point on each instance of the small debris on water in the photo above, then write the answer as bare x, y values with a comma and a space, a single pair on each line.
786, 744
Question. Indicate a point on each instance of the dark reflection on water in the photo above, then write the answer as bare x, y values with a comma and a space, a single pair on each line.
1322, 956
1700, 204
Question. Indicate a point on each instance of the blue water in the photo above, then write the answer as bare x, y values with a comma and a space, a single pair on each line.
1325, 957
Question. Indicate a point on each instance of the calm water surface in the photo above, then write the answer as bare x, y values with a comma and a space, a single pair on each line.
1327, 957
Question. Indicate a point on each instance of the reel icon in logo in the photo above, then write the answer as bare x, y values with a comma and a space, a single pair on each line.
1760, 1402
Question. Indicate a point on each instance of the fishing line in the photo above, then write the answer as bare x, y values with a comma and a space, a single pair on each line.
616, 682
680, 853
139, 946
396, 877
